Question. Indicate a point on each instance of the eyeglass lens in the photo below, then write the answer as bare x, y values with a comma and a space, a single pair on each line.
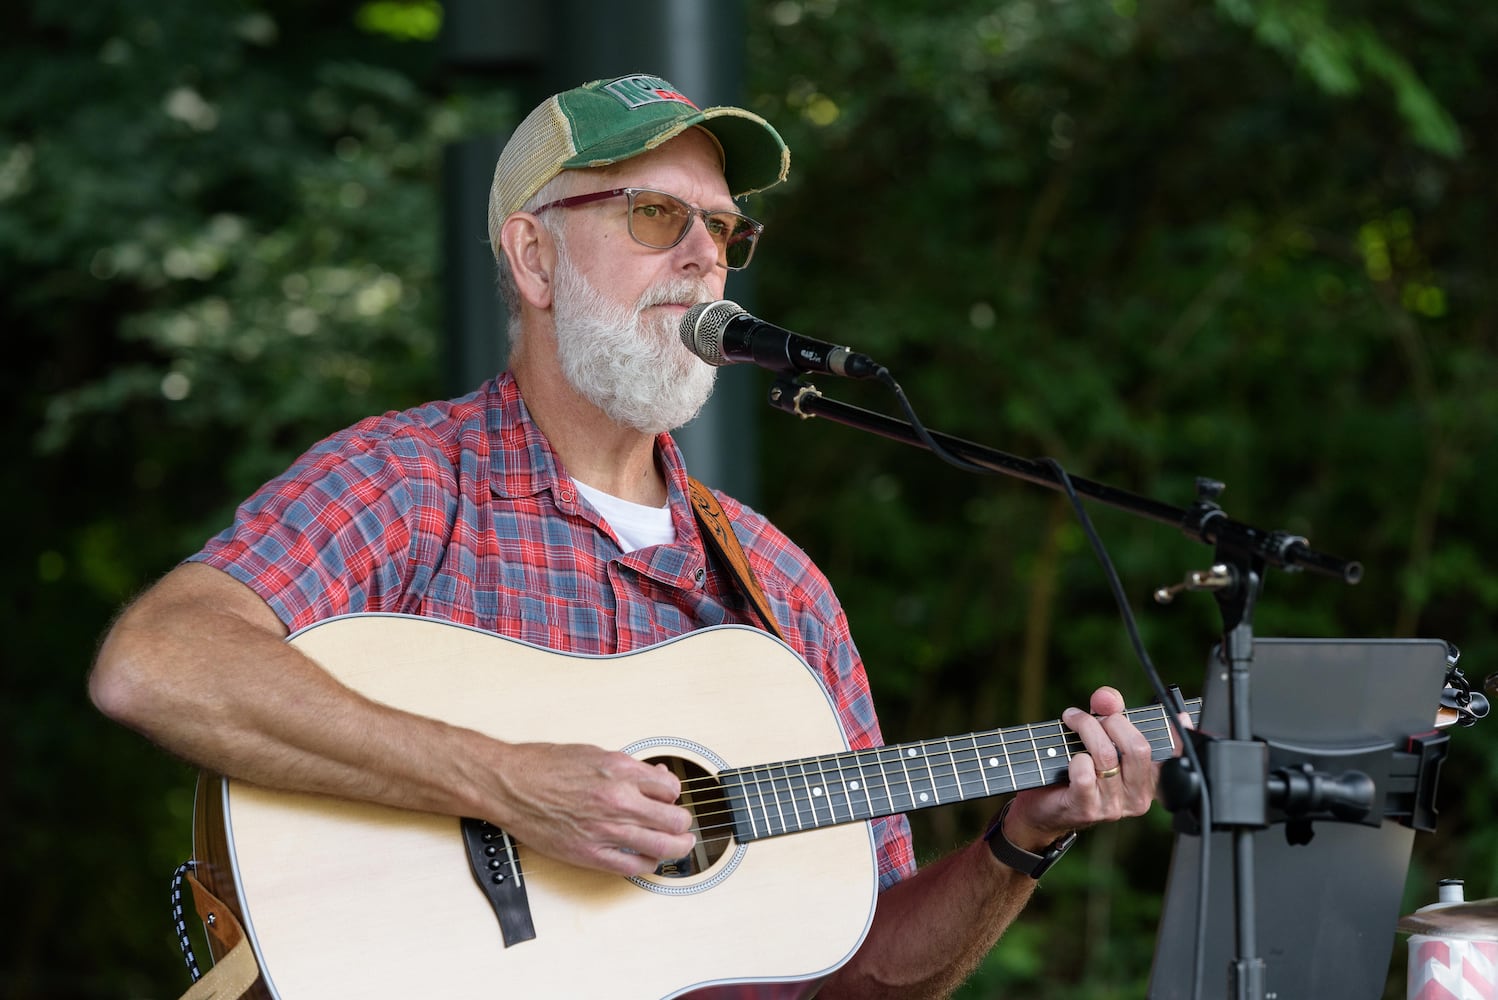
661, 220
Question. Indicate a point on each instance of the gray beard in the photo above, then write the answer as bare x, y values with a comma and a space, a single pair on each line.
635, 370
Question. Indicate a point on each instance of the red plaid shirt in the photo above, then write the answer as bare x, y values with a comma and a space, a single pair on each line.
460, 510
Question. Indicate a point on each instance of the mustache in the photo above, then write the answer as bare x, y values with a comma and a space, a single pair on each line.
683, 291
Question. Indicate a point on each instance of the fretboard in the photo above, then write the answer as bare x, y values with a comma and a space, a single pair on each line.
774, 799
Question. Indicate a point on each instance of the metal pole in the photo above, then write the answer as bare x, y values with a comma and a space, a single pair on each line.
695, 44
698, 46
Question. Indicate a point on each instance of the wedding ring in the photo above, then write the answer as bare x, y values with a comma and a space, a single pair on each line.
1112, 772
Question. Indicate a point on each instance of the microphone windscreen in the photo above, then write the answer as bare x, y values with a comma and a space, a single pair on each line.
702, 327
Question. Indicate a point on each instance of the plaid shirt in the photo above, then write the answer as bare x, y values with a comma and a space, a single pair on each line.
460, 510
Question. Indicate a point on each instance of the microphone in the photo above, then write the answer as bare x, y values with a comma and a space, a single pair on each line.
721, 333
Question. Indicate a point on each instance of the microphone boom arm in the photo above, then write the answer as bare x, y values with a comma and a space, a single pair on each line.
1204, 521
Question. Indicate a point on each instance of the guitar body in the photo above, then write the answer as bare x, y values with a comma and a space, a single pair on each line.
350, 900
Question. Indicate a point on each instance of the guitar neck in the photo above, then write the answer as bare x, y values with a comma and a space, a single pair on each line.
769, 800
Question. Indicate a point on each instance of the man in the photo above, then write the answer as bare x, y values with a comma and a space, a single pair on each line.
552, 506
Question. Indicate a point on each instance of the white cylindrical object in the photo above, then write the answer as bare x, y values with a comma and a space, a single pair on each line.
1444, 968
1461, 962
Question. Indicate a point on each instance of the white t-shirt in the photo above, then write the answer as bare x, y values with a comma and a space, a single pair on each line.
635, 525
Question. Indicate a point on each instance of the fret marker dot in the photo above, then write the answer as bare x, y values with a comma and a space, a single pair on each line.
993, 762
924, 796
1050, 751
816, 792
853, 785
910, 752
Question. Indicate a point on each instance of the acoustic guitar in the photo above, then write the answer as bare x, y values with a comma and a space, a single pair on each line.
351, 900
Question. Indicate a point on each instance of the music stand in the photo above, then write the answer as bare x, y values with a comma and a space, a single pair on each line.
1325, 911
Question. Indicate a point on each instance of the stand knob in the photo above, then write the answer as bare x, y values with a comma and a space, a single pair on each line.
1219, 577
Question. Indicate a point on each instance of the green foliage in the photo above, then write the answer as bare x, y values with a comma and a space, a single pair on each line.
218, 235
1157, 240
1333, 54
418, 21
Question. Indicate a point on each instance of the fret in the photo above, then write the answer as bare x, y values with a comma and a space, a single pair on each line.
1053, 750
951, 789
920, 790
929, 758
773, 811
967, 771
889, 762
978, 776
838, 793
818, 808
1035, 750
1008, 763
754, 806
982, 763
1025, 758
783, 793
793, 789
860, 785
1160, 749
1145, 721
875, 780
947, 789
906, 785
767, 810
938, 763
923, 756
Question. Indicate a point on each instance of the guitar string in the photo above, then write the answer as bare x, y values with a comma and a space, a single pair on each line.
891, 753
1018, 773
718, 822
1050, 734
880, 756
792, 803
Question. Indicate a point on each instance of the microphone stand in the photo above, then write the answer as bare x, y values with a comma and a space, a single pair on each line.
1239, 770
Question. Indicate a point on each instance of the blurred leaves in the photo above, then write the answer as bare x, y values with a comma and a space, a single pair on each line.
1245, 239
218, 236
1155, 241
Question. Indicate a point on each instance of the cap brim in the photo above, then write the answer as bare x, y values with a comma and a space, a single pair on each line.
755, 157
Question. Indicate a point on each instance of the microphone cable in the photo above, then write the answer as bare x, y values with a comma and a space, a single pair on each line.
1141, 653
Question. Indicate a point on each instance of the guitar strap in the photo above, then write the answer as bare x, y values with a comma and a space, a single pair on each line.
234, 973
718, 530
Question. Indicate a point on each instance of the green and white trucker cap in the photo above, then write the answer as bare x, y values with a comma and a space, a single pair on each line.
607, 121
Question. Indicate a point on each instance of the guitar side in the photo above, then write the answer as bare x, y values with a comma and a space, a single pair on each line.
341, 898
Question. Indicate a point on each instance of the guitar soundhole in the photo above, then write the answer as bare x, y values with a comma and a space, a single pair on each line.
712, 822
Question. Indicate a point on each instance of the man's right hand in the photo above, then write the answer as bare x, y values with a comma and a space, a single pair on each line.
591, 807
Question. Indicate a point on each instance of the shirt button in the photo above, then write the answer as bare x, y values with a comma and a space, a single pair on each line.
566, 494
699, 576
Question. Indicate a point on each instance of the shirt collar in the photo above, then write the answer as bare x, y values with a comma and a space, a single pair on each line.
523, 464
521, 461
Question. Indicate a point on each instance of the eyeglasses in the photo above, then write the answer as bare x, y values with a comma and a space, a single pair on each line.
660, 221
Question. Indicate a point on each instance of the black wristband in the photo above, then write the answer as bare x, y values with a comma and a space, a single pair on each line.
1021, 860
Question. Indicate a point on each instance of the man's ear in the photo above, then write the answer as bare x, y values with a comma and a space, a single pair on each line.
533, 258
